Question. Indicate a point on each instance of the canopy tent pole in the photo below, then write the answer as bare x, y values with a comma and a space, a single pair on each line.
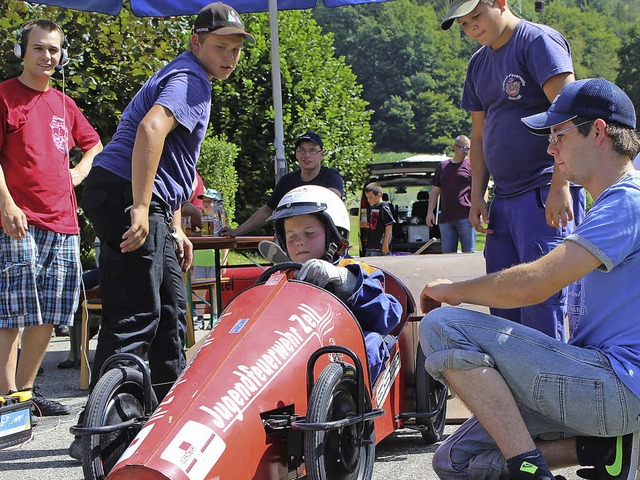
278, 142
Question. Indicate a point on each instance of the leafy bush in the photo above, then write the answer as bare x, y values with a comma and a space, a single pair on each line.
216, 167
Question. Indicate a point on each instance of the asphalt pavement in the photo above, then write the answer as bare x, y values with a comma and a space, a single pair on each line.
403, 455
44, 455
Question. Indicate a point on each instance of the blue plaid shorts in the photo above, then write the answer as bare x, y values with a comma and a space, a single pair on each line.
39, 278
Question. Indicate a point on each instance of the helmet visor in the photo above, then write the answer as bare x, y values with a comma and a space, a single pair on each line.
299, 208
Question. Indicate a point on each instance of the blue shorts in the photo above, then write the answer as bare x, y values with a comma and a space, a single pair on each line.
562, 390
39, 278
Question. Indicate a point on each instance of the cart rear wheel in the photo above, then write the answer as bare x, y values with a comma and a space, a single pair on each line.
337, 454
428, 393
117, 397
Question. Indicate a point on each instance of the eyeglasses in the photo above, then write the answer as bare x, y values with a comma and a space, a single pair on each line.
311, 151
554, 137
464, 149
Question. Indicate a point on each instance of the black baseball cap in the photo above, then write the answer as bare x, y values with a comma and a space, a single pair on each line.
591, 98
220, 19
310, 137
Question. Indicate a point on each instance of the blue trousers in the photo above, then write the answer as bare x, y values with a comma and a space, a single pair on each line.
458, 231
520, 235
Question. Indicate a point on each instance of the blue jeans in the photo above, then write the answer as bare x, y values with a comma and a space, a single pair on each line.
458, 230
521, 235
562, 390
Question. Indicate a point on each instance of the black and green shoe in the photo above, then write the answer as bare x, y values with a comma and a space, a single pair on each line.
612, 458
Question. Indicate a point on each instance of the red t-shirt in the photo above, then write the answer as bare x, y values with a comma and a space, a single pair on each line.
197, 191
37, 130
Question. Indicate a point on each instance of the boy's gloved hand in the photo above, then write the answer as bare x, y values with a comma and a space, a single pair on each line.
325, 274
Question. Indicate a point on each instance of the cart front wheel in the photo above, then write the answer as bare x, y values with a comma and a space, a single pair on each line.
341, 454
117, 397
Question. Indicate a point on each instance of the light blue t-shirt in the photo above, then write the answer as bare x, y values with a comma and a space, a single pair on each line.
506, 84
183, 87
604, 306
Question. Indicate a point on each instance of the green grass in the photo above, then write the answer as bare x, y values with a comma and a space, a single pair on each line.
481, 239
236, 258
386, 157
354, 236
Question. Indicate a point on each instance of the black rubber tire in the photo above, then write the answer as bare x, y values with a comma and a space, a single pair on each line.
330, 455
117, 397
428, 393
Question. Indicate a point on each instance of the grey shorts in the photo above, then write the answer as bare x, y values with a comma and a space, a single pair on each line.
39, 278
562, 390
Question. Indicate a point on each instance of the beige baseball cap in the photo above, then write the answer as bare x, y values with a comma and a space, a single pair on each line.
457, 9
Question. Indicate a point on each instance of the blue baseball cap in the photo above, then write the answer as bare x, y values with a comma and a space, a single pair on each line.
591, 98
310, 137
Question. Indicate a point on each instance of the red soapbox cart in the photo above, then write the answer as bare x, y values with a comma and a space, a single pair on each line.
278, 390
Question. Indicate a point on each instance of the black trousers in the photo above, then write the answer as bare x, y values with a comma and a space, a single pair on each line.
142, 292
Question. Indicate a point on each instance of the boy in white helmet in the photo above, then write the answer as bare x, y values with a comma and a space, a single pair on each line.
312, 225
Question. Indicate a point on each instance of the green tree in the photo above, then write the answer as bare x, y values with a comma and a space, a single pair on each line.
108, 65
112, 57
621, 12
109, 62
592, 38
404, 60
319, 92
217, 168
629, 73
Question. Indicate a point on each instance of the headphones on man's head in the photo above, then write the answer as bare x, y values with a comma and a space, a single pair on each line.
21, 41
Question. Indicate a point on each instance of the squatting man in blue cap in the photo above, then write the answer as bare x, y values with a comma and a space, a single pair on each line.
537, 402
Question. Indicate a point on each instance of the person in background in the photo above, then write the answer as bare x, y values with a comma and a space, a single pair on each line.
452, 184
198, 189
309, 152
518, 71
380, 222
211, 205
191, 210
312, 225
39, 240
539, 403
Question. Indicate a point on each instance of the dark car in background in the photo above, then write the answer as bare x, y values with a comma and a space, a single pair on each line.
406, 184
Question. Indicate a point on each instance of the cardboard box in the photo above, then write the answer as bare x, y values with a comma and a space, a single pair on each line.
15, 422
417, 233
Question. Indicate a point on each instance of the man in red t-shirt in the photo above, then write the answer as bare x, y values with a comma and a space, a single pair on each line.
39, 239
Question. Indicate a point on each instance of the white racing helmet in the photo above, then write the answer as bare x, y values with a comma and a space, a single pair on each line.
320, 201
